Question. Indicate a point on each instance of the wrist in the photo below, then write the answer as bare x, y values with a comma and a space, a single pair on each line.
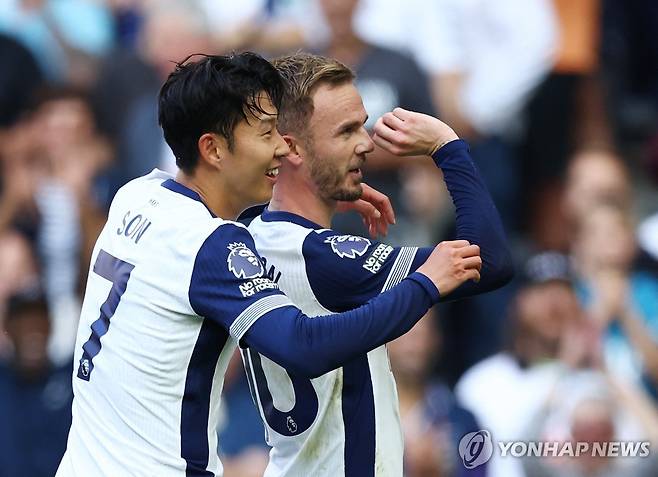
442, 142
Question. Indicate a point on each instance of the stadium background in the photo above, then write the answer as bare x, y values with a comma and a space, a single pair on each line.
559, 102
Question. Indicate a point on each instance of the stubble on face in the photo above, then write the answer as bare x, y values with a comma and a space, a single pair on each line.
332, 183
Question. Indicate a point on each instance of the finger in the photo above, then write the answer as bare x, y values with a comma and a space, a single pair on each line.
392, 121
469, 251
386, 144
402, 113
380, 201
372, 230
366, 209
473, 274
456, 243
473, 262
382, 130
385, 207
382, 227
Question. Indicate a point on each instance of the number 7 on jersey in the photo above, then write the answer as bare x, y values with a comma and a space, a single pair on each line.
118, 272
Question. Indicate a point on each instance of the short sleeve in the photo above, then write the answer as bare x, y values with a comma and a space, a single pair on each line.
229, 284
345, 271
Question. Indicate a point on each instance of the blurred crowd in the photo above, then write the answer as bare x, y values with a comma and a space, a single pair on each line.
559, 102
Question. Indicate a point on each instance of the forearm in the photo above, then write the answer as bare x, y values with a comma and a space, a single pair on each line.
477, 218
313, 346
641, 340
637, 403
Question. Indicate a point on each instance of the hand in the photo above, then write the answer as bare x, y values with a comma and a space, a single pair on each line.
611, 296
452, 263
374, 208
407, 133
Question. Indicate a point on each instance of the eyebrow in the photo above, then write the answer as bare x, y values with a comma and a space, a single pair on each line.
346, 126
267, 121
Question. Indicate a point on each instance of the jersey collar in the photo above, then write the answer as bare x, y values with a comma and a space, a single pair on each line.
281, 216
179, 188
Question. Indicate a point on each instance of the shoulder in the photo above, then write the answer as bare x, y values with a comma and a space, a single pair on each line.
331, 244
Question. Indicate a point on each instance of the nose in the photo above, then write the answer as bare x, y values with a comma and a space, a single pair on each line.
282, 148
365, 144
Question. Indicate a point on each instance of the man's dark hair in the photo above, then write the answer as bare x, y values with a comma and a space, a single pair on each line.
213, 94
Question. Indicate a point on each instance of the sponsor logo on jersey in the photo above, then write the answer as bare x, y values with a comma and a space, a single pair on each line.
251, 287
243, 262
348, 246
377, 258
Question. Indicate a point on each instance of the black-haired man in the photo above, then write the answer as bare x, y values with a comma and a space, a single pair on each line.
175, 285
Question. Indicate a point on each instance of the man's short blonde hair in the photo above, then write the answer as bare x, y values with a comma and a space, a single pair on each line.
302, 74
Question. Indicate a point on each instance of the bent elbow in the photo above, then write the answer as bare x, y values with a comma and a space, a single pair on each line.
307, 365
500, 272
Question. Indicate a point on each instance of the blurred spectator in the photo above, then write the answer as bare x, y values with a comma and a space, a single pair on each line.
271, 27
65, 36
485, 58
35, 395
18, 83
425, 203
591, 407
567, 112
648, 237
51, 162
432, 420
592, 176
18, 271
619, 298
506, 390
127, 92
630, 63
243, 450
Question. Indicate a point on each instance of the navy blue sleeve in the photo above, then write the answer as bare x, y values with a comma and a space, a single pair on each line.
477, 219
311, 347
229, 286
345, 271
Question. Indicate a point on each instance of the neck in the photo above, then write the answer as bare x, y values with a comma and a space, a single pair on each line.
220, 200
300, 197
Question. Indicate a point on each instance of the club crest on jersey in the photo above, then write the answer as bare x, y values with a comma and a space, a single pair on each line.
348, 246
243, 262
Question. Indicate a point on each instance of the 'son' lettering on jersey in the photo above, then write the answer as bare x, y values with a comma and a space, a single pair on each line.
171, 290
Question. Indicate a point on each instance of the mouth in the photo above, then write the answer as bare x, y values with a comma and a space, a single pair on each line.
272, 173
355, 171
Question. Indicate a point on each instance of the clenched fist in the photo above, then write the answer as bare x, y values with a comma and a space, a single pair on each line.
407, 133
451, 263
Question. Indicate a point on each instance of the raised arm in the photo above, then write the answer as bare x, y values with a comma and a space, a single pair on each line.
408, 133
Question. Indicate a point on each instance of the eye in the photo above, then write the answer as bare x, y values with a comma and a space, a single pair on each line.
348, 130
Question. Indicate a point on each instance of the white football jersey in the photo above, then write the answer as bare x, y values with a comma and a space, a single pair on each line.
171, 290
345, 422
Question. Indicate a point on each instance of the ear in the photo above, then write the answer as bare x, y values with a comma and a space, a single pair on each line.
212, 150
296, 154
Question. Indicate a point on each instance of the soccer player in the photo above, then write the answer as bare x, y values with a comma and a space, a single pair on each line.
346, 422
175, 284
